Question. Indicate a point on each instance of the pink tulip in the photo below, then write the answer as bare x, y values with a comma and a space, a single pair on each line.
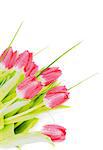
13, 60
22, 60
55, 132
31, 68
9, 59
50, 75
28, 88
25, 61
56, 96
29, 62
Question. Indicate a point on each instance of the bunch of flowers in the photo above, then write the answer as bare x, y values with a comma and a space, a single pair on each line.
25, 92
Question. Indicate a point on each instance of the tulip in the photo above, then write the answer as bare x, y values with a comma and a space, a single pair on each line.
28, 88
55, 132
9, 59
56, 96
31, 67
22, 60
50, 75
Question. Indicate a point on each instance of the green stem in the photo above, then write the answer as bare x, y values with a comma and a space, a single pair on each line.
15, 35
60, 56
82, 81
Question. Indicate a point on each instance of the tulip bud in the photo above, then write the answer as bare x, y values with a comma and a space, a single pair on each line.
28, 88
31, 69
56, 96
13, 60
50, 75
55, 132
22, 60
9, 59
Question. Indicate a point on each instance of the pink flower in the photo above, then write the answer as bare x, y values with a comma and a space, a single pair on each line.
13, 60
28, 88
50, 75
56, 96
55, 132
31, 68
9, 59
22, 60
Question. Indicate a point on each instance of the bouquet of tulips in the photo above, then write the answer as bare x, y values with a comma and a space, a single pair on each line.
25, 92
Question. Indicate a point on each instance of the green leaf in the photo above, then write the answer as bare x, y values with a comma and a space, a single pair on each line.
14, 106
1, 121
1, 117
62, 107
6, 132
9, 97
5, 89
18, 118
25, 126
24, 138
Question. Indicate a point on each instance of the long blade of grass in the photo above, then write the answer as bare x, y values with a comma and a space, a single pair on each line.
82, 81
68, 50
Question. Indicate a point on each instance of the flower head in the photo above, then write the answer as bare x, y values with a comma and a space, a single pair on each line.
9, 58
31, 68
28, 88
50, 75
55, 132
56, 96
22, 60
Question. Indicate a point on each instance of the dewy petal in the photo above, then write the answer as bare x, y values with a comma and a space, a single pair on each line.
55, 132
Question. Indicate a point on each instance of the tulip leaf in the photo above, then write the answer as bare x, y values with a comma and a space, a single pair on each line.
24, 138
1, 117
6, 132
25, 126
1, 121
9, 97
15, 106
19, 118
9, 85
62, 107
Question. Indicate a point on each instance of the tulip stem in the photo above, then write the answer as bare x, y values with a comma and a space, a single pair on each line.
15, 35
73, 47
80, 82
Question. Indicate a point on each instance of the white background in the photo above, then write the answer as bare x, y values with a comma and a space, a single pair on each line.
57, 25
